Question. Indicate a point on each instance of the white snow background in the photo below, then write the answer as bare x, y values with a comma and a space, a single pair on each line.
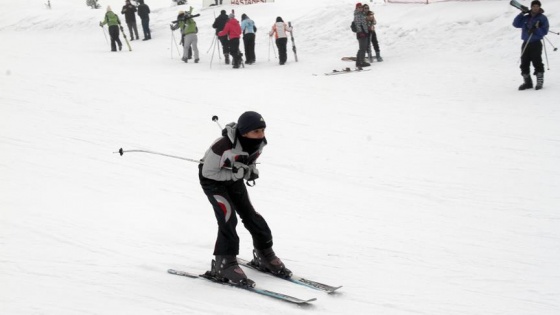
427, 185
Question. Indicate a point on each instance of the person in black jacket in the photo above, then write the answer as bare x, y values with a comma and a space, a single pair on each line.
129, 12
144, 14
219, 24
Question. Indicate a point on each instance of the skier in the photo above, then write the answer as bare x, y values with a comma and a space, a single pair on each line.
249, 29
189, 31
228, 161
144, 14
112, 20
370, 18
219, 24
233, 31
129, 12
534, 26
362, 35
279, 30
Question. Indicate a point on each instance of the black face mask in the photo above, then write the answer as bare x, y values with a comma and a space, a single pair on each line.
249, 145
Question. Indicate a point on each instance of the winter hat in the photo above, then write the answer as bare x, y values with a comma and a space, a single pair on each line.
231, 15
223, 12
358, 5
109, 8
250, 121
535, 3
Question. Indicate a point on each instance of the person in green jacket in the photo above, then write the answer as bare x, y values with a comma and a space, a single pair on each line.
112, 20
189, 30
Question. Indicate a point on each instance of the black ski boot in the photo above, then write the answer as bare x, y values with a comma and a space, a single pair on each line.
540, 80
527, 82
225, 268
378, 56
227, 59
266, 260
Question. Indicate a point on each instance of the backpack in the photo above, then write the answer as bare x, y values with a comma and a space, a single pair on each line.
353, 27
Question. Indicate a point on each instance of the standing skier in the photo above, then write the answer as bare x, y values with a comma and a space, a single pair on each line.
534, 26
362, 35
189, 31
129, 12
112, 20
219, 24
279, 30
230, 160
370, 18
144, 14
233, 31
249, 29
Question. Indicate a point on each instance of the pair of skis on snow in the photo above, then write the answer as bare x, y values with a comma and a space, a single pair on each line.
256, 289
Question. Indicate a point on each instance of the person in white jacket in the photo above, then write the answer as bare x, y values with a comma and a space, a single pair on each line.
279, 30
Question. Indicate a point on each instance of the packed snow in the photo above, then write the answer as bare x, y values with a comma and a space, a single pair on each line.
427, 185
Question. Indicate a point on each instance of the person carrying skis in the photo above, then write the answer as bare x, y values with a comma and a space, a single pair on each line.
249, 29
230, 160
129, 12
534, 26
370, 18
189, 30
232, 30
112, 20
362, 35
219, 24
280, 30
144, 14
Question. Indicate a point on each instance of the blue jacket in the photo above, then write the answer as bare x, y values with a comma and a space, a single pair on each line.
248, 26
526, 22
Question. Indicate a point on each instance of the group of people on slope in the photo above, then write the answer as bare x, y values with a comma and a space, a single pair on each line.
129, 11
229, 31
364, 20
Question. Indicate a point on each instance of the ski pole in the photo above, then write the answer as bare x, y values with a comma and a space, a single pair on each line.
176, 45
121, 152
554, 48
269, 44
557, 33
546, 56
215, 119
171, 48
211, 45
105, 34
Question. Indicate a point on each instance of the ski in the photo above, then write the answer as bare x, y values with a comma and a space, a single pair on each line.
255, 289
295, 279
374, 59
344, 71
293, 42
125, 39
518, 5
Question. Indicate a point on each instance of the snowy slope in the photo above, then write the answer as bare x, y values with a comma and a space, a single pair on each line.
428, 185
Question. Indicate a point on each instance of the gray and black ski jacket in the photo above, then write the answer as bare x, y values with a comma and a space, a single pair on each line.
224, 152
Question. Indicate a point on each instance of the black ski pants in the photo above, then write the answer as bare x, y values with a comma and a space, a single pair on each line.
532, 54
228, 199
249, 45
281, 43
363, 45
234, 51
146, 28
115, 40
225, 44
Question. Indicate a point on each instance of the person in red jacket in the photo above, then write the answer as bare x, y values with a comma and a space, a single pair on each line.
233, 31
